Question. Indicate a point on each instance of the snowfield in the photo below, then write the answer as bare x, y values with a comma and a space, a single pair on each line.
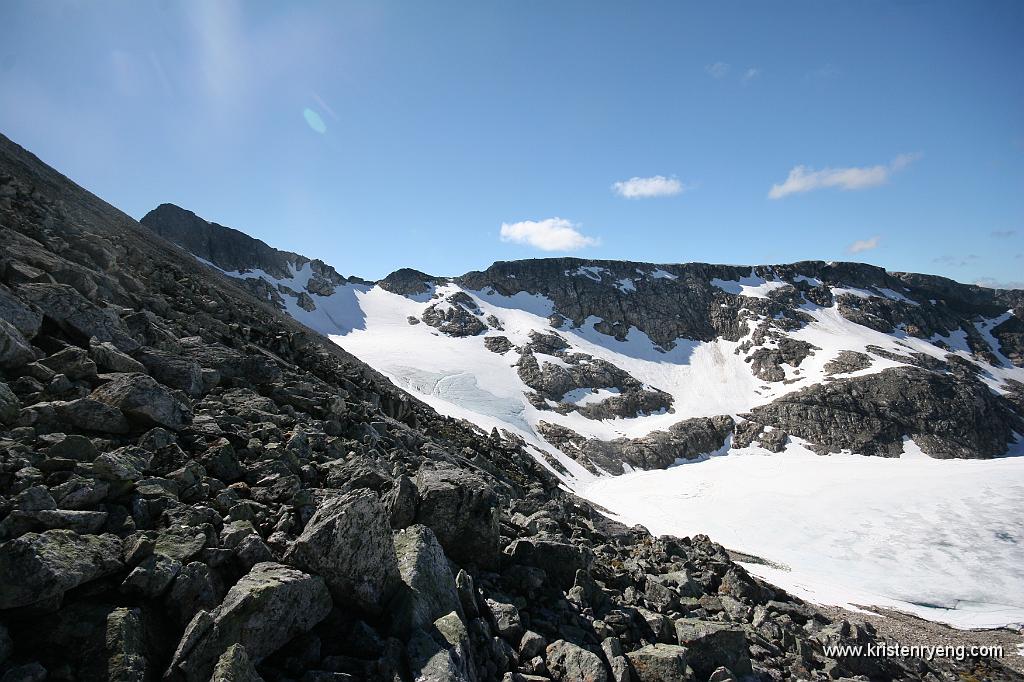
943, 539
938, 538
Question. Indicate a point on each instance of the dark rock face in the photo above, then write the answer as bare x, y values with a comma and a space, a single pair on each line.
234, 527
947, 415
687, 439
456, 315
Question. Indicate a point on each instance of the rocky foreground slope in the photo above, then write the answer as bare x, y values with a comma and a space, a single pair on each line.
195, 486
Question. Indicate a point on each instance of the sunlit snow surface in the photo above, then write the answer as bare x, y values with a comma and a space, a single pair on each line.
939, 538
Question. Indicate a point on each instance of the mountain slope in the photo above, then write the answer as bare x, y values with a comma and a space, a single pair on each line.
195, 486
611, 362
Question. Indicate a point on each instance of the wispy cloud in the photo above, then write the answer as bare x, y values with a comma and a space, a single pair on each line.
804, 179
1003, 234
552, 234
862, 245
956, 261
645, 188
750, 74
822, 73
718, 69
993, 283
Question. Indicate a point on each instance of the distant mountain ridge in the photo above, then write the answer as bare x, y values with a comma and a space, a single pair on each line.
605, 365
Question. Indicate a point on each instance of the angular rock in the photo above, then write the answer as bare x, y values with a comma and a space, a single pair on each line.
569, 663
348, 542
427, 591
108, 358
143, 400
712, 644
90, 414
462, 510
234, 666
10, 406
15, 350
265, 609
559, 560
41, 566
659, 663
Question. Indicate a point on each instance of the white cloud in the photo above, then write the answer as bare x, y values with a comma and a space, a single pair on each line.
863, 245
750, 74
552, 234
804, 179
992, 283
644, 188
718, 69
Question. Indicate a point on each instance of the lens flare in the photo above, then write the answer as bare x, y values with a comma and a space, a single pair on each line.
314, 121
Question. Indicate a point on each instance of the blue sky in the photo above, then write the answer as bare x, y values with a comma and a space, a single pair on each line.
445, 136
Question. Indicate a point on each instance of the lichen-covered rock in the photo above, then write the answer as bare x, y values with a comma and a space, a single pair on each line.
712, 644
234, 666
143, 400
348, 542
570, 663
427, 591
659, 663
462, 510
37, 567
269, 606
15, 350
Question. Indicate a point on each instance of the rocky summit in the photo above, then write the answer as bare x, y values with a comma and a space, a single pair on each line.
196, 486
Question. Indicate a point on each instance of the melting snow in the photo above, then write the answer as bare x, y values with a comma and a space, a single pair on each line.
751, 286
938, 538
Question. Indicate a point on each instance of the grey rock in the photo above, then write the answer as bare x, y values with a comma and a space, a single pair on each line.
145, 401
462, 510
72, 362
266, 608
15, 350
109, 359
428, 589
712, 644
68, 308
152, 577
559, 560
125, 646
569, 663
234, 666
10, 406
506, 617
172, 370
90, 414
659, 663
348, 542
25, 319
40, 566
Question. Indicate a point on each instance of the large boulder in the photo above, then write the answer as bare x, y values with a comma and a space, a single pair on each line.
76, 314
559, 560
348, 542
443, 654
659, 663
173, 370
40, 566
712, 644
9, 405
462, 510
427, 591
143, 400
569, 663
268, 607
15, 350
